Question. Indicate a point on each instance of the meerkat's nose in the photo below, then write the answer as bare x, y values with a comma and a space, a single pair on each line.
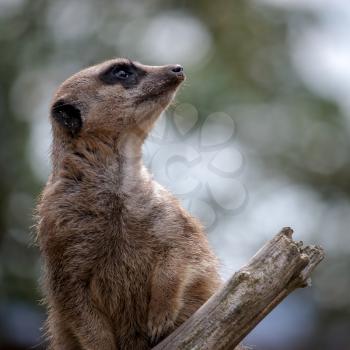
177, 70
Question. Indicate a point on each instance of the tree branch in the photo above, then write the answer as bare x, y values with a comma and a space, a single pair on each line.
278, 268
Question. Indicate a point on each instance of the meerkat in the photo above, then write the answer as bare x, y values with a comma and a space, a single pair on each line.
124, 263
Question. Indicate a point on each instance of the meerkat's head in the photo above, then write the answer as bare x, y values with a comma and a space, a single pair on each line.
114, 97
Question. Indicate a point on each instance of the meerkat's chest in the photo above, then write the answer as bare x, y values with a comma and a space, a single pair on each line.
120, 282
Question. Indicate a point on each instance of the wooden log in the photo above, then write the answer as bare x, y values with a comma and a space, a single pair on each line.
278, 268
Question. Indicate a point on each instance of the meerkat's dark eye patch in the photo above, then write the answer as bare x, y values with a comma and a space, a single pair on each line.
68, 116
126, 74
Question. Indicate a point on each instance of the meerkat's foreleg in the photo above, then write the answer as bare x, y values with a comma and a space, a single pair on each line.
169, 280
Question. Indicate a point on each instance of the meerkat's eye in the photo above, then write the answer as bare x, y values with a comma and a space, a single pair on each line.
126, 74
120, 73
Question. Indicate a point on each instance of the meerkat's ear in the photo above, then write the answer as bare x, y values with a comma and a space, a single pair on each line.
68, 116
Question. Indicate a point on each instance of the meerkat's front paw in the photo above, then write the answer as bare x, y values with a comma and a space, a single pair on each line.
160, 323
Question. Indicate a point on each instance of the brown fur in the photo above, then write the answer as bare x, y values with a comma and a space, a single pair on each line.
124, 263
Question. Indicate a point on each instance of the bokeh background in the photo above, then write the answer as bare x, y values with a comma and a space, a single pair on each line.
280, 69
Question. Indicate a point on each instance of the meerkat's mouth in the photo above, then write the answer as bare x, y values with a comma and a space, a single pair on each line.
154, 96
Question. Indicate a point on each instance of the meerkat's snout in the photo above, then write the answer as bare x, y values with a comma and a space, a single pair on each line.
169, 76
178, 71
160, 83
